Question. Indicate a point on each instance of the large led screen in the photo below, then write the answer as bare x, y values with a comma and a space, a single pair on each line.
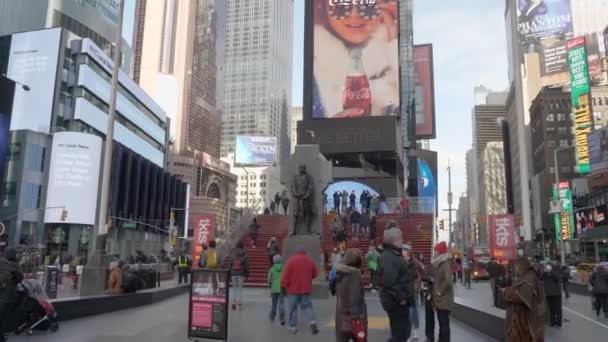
356, 58
255, 151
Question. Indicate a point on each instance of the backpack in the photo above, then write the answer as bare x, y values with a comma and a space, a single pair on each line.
237, 264
212, 261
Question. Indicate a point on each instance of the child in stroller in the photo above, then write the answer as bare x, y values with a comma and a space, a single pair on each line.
35, 311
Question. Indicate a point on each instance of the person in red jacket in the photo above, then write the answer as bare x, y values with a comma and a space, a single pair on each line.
298, 274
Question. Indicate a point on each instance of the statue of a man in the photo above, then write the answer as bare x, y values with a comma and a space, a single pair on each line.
302, 192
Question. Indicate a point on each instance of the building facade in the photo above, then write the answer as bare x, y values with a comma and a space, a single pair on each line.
493, 195
296, 115
258, 72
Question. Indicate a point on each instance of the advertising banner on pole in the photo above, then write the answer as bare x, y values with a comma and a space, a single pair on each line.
581, 104
203, 233
537, 19
425, 91
208, 312
356, 58
501, 233
564, 221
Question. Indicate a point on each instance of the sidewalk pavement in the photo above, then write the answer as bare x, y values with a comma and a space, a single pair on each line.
167, 321
582, 323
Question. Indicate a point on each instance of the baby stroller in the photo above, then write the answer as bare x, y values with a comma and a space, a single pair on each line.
35, 311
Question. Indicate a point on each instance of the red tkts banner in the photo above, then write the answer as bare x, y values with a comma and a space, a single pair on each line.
203, 233
501, 230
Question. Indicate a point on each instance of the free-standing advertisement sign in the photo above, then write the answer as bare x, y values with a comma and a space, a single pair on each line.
203, 233
581, 104
537, 19
73, 178
356, 58
501, 233
208, 314
425, 91
564, 221
255, 151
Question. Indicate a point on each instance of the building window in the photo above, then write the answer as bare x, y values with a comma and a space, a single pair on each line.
32, 195
35, 158
550, 117
551, 143
561, 117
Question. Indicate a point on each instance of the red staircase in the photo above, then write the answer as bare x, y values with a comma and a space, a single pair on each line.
417, 231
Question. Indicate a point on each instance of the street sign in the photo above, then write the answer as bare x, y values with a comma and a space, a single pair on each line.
129, 225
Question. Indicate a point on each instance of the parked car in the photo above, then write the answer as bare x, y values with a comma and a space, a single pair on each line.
480, 272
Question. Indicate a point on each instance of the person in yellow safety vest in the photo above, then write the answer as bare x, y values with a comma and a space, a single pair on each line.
182, 268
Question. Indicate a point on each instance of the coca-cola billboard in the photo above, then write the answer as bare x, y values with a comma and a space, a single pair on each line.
502, 238
356, 58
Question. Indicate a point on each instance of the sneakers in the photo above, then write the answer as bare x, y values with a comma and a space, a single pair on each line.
314, 328
293, 330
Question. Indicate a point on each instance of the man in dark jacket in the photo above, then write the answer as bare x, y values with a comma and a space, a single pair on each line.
599, 282
395, 286
337, 196
553, 293
10, 276
352, 199
493, 269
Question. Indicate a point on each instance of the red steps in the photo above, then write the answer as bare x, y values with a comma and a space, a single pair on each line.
417, 230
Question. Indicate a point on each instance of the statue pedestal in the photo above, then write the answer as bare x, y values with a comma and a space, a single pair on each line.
312, 245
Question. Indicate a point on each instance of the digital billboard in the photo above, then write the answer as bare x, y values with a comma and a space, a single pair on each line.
356, 58
598, 149
73, 178
537, 19
255, 151
425, 91
33, 61
581, 96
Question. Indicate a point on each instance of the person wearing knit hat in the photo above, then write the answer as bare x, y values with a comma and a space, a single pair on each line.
274, 282
442, 296
396, 285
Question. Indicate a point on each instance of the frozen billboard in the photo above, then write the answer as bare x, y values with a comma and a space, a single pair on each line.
425, 91
537, 19
356, 58
255, 151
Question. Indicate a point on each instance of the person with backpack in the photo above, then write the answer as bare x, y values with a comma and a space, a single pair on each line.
274, 282
395, 285
10, 277
210, 257
239, 271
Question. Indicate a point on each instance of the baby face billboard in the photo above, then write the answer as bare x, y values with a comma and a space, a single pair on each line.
356, 58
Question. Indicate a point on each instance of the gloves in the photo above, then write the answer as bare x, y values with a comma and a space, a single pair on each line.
359, 331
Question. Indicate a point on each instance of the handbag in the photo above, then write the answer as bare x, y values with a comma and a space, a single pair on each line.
359, 333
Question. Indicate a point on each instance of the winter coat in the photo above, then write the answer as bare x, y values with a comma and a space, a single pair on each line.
371, 258
344, 197
274, 278
298, 274
396, 282
337, 197
364, 220
355, 217
551, 282
493, 269
353, 199
273, 248
337, 229
443, 288
350, 296
599, 281
205, 261
374, 204
115, 282
10, 276
244, 259
525, 321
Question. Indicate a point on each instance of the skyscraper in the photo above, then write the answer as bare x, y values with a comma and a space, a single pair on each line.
180, 64
296, 115
258, 72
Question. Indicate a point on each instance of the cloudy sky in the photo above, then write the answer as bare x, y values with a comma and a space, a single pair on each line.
468, 38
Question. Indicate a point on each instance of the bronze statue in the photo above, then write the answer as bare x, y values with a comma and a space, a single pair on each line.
302, 192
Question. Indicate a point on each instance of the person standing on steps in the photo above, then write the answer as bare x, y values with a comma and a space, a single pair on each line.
239, 272
352, 199
355, 221
273, 249
296, 282
253, 231
273, 208
364, 221
337, 195
344, 201
277, 202
285, 201
363, 201
374, 206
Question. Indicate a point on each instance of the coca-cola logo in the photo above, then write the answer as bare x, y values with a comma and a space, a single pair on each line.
360, 94
334, 3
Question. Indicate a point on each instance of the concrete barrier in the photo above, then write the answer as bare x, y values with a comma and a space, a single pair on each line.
489, 323
74, 308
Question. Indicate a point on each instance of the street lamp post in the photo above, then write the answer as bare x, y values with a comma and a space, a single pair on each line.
562, 244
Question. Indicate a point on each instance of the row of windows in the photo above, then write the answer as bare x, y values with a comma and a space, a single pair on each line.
253, 177
253, 185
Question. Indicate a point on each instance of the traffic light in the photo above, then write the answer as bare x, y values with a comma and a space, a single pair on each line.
442, 224
64, 215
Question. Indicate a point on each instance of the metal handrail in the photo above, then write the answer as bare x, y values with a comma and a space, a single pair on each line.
228, 239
